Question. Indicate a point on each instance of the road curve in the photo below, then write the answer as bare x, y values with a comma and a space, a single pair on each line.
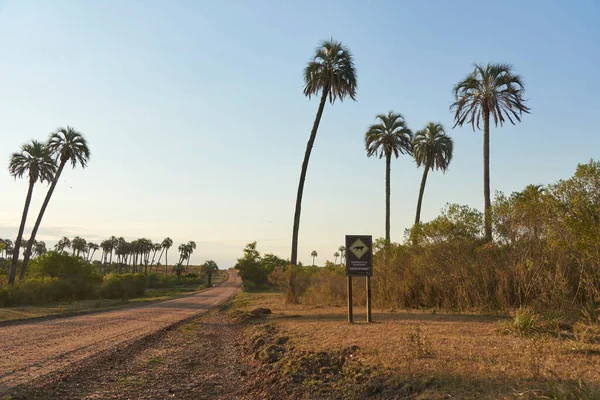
35, 348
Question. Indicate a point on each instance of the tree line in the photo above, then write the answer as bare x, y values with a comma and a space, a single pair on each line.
44, 162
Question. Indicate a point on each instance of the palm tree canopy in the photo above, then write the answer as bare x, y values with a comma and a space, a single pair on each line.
69, 145
331, 69
34, 159
494, 89
389, 137
167, 243
432, 147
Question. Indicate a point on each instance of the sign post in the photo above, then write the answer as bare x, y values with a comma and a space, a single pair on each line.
359, 262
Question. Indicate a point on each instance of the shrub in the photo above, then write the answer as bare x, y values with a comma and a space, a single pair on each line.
124, 286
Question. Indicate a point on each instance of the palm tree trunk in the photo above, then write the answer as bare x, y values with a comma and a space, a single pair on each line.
187, 265
13, 266
309, 146
166, 263
388, 162
39, 218
420, 201
486, 175
313, 261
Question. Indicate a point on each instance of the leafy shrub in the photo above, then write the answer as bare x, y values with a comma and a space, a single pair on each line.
124, 286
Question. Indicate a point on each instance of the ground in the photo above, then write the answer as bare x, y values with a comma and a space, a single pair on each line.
313, 353
418, 354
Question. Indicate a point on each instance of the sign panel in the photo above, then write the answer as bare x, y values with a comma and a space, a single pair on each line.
359, 255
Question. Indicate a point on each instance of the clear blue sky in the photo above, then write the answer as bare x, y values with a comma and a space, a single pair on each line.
197, 122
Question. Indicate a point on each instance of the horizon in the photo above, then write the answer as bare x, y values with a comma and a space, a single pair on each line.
197, 123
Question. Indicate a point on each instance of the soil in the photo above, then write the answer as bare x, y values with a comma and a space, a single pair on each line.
197, 359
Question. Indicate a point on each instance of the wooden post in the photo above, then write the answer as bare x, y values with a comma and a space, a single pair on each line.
350, 317
369, 317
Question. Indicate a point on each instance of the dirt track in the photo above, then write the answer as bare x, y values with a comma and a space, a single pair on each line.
32, 349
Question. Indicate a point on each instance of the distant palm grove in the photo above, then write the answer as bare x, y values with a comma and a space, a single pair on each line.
44, 162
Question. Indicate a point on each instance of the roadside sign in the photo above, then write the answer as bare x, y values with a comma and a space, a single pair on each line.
359, 255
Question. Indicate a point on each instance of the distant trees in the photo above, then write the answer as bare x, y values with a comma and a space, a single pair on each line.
314, 254
493, 91
34, 161
254, 269
335, 257
331, 72
342, 250
390, 137
79, 245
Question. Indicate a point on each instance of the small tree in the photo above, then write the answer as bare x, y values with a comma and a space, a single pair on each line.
179, 269
208, 269
313, 255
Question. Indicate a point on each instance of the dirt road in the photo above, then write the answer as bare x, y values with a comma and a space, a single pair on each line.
30, 350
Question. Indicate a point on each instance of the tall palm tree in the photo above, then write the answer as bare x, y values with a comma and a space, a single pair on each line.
34, 160
490, 90
335, 257
67, 145
390, 137
314, 254
432, 149
331, 72
166, 244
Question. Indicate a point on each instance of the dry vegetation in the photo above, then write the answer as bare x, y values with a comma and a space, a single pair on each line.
425, 354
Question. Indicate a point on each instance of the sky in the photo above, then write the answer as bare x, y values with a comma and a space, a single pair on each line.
197, 123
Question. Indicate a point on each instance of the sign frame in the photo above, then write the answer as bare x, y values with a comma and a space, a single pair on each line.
359, 255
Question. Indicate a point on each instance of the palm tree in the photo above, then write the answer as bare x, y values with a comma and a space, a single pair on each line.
79, 245
432, 148
35, 161
342, 250
209, 268
491, 90
314, 254
335, 257
191, 248
331, 72
389, 137
67, 145
40, 248
93, 247
63, 243
155, 247
166, 244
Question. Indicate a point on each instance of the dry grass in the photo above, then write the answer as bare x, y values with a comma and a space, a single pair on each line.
464, 356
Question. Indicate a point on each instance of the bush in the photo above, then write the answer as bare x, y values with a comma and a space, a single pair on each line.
124, 286
52, 277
